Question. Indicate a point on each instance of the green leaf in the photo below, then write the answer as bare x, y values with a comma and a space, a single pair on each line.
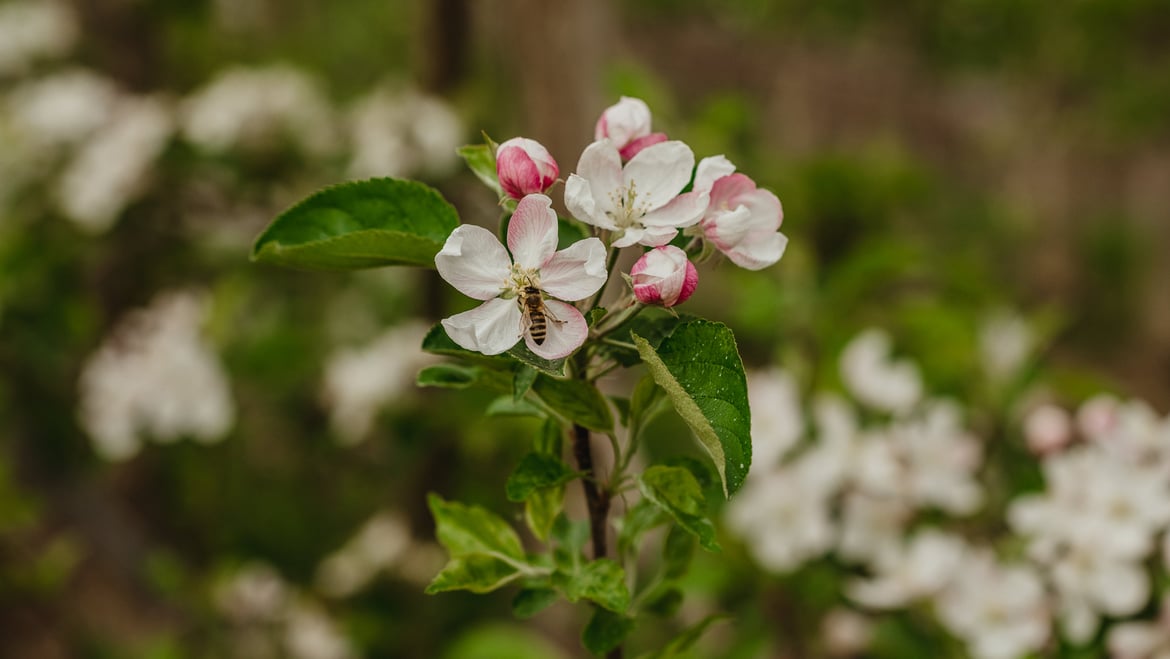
640, 519
481, 160
576, 400
550, 440
677, 552
537, 471
530, 601
675, 490
449, 376
508, 406
541, 510
686, 640
522, 380
554, 367
606, 630
699, 368
664, 602
653, 324
361, 224
478, 573
469, 530
601, 581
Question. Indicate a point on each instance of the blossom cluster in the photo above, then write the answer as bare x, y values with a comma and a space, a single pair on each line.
632, 186
893, 485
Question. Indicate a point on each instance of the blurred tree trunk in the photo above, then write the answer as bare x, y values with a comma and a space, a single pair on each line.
556, 51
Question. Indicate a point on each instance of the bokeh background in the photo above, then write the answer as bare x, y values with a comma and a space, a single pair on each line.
203, 457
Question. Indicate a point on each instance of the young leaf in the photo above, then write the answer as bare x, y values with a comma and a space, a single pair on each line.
478, 573
664, 602
530, 601
699, 368
481, 160
550, 440
677, 552
653, 324
508, 406
361, 224
676, 491
577, 401
684, 641
537, 471
640, 519
468, 530
522, 378
606, 630
541, 510
449, 376
601, 581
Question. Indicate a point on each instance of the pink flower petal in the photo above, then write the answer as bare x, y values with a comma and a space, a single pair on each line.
474, 262
566, 331
759, 253
575, 272
636, 145
682, 211
532, 232
711, 169
491, 328
517, 172
726, 190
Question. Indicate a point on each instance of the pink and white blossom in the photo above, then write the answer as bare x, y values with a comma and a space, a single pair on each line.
742, 221
641, 201
627, 124
664, 276
474, 262
525, 167
1000, 611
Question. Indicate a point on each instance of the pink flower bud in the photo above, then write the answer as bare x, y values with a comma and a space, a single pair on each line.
525, 167
1048, 429
627, 125
664, 276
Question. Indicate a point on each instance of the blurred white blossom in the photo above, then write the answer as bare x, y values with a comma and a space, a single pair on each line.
1047, 428
919, 569
845, 632
34, 30
63, 107
399, 133
112, 167
1006, 342
360, 381
1142, 640
310, 634
155, 376
777, 419
246, 108
254, 593
1001, 612
380, 542
876, 380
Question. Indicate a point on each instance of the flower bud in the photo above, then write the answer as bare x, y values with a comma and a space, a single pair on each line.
664, 276
1047, 429
627, 125
525, 167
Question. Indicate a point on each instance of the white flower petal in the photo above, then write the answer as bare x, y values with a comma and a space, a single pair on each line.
711, 169
579, 200
657, 236
601, 166
532, 232
630, 236
474, 262
576, 272
490, 328
682, 211
757, 254
566, 331
658, 173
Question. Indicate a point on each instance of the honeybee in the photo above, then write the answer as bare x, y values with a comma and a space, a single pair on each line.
535, 316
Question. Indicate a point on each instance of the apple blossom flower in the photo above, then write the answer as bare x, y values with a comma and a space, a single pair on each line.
664, 276
921, 569
1000, 611
627, 124
473, 261
876, 380
742, 221
640, 202
1047, 428
525, 167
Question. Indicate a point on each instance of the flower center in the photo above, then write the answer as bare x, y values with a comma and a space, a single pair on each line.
520, 278
626, 209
